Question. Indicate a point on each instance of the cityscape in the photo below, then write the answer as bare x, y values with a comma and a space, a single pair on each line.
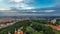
29, 16
30, 25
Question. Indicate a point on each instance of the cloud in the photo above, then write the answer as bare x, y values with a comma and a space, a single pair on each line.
21, 4
17, 1
27, 7
43, 11
49, 10
34, 11
5, 9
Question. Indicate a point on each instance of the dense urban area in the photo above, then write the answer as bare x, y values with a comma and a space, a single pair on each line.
29, 26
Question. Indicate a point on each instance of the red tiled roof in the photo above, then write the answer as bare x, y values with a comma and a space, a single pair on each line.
54, 27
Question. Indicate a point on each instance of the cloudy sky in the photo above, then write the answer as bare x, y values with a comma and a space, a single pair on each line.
49, 5
26, 4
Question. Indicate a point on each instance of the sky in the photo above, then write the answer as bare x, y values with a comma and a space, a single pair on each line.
26, 4
29, 4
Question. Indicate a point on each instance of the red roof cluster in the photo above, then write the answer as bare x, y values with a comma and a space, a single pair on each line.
54, 27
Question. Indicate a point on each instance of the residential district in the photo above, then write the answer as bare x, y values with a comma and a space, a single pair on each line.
6, 23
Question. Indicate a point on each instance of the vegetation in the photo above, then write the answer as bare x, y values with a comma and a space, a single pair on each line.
30, 27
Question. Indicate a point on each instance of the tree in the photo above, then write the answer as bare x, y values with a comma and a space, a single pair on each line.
48, 30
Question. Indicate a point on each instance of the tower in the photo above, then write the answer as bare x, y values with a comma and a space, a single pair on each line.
15, 32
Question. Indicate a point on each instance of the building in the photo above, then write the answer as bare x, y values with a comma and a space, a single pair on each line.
54, 27
18, 32
53, 21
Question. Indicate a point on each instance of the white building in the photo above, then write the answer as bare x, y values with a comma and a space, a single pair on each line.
53, 21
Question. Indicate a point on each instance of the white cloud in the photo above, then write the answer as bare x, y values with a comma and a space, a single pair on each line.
17, 1
27, 7
49, 10
43, 11
34, 11
5, 8
21, 4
